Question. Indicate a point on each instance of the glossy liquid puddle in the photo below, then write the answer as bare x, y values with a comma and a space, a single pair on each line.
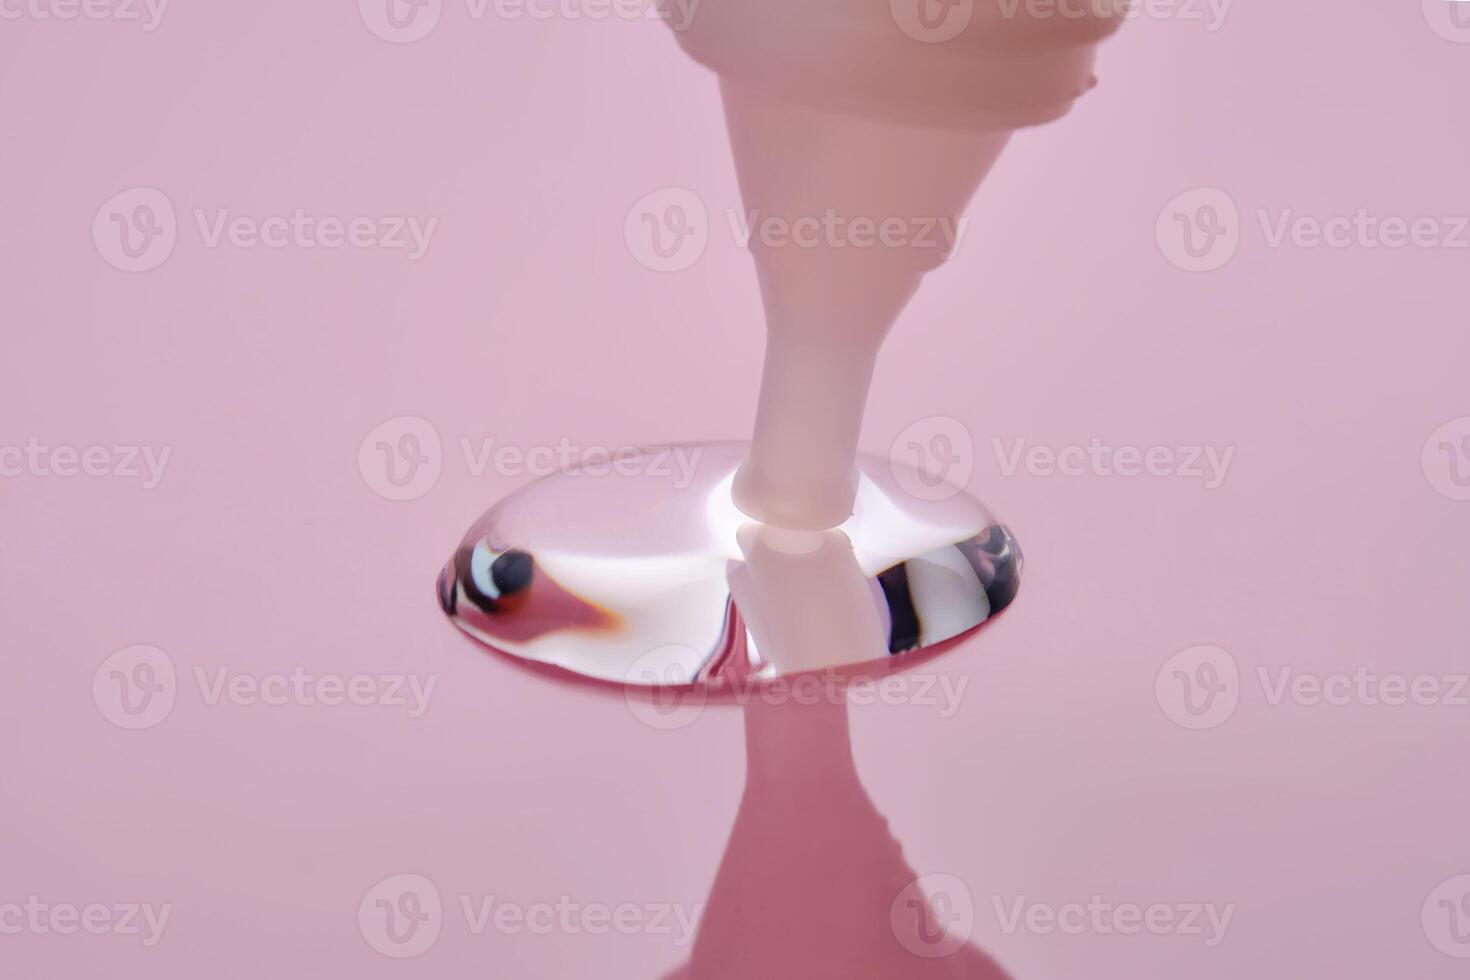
631, 579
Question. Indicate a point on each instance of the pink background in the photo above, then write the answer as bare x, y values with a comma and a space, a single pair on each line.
1327, 548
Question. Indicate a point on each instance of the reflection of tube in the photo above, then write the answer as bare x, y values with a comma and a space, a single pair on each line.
813, 883
805, 601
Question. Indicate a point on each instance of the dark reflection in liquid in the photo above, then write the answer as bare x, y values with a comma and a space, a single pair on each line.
813, 884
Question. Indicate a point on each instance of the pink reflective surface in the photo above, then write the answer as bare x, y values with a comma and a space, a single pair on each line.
1332, 545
